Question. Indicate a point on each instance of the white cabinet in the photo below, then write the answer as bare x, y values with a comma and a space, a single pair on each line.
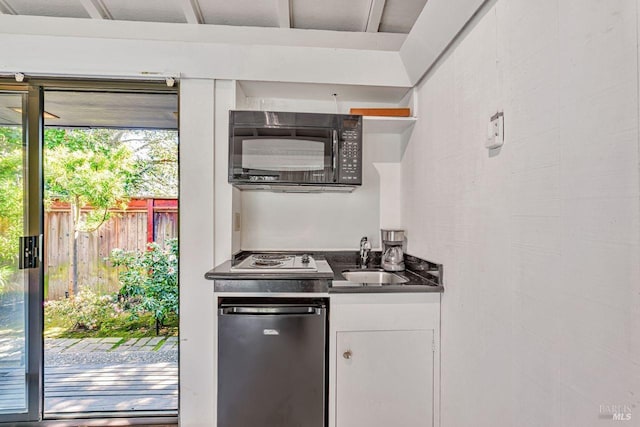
384, 360
384, 378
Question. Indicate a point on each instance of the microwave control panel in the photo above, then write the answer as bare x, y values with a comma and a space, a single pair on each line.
350, 157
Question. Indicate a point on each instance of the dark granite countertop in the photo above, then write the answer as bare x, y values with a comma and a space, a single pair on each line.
422, 276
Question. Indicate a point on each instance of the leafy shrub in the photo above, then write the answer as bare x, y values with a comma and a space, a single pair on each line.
149, 282
86, 310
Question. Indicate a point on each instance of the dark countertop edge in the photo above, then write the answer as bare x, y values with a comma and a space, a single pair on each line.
299, 286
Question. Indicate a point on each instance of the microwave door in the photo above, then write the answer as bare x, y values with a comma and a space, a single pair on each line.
280, 155
291, 159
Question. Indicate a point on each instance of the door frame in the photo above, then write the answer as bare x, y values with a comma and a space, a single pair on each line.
33, 226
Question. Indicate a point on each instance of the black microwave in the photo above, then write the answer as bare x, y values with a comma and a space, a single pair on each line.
285, 151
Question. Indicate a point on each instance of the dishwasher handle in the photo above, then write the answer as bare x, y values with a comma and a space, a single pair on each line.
270, 310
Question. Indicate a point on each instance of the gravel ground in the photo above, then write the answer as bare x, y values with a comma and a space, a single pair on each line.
110, 358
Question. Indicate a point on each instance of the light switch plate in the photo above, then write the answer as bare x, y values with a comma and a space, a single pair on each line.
495, 131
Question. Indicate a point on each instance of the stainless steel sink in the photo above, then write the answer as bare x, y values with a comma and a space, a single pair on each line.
373, 277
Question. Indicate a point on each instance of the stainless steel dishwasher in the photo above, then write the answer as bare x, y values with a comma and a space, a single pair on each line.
271, 363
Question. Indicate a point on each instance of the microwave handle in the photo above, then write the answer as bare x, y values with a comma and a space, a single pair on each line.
335, 155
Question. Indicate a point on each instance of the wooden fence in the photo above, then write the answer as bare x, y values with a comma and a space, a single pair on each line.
144, 220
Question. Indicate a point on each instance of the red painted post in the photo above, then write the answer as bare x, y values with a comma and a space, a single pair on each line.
150, 235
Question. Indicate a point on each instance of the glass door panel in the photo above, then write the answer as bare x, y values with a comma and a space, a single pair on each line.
110, 161
14, 359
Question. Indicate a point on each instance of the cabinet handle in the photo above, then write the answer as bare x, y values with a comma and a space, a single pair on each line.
347, 354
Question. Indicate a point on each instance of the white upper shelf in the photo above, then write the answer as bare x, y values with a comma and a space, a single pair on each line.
345, 95
375, 124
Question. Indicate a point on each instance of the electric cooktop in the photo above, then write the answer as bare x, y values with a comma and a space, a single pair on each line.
276, 263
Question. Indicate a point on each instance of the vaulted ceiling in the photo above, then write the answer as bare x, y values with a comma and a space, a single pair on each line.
388, 16
363, 50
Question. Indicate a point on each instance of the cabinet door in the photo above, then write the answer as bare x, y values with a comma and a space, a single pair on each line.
384, 378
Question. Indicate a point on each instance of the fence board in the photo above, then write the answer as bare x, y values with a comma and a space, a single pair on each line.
165, 226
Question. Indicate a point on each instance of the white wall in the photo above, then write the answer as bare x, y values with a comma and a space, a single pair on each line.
225, 98
197, 381
320, 221
540, 240
390, 195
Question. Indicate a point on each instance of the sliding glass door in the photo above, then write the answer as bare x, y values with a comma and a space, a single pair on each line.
20, 266
81, 335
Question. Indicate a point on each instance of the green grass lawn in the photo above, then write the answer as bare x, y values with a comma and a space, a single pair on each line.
56, 325
121, 326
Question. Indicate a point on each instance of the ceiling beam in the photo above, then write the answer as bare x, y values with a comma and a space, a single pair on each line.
96, 9
438, 25
208, 34
375, 15
150, 50
284, 13
192, 12
6, 8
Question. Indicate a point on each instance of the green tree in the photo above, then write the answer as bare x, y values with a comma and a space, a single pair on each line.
156, 158
150, 279
98, 168
11, 204
86, 168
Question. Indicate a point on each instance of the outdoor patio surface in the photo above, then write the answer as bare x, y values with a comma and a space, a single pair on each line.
100, 375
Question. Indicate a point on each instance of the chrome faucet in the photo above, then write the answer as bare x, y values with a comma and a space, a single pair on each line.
365, 248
